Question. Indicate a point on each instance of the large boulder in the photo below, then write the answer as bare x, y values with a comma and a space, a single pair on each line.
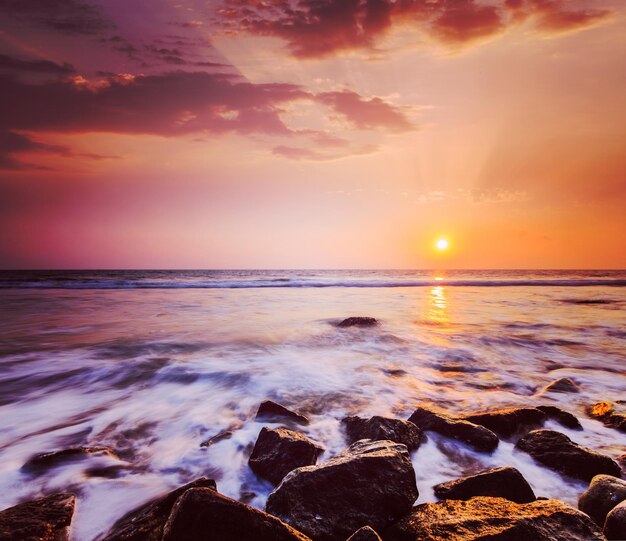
383, 428
561, 385
372, 483
562, 417
615, 525
505, 482
560, 453
201, 514
358, 321
147, 521
508, 422
603, 494
45, 519
478, 437
364, 534
278, 451
272, 412
494, 519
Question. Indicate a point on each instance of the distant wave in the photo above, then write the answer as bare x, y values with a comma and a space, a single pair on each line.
286, 283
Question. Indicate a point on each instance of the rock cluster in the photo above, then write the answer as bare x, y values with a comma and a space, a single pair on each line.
383, 428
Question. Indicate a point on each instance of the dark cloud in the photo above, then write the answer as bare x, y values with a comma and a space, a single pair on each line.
177, 103
16, 65
64, 16
318, 28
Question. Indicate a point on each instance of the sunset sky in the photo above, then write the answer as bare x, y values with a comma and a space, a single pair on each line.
312, 133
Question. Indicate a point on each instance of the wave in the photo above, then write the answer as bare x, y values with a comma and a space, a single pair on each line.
288, 283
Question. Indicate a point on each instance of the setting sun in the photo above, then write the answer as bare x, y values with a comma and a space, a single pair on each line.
441, 244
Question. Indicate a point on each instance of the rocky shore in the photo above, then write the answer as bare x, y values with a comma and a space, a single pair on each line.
368, 491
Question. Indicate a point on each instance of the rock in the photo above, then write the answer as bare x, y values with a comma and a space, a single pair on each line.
494, 519
224, 435
509, 422
201, 514
617, 421
39, 464
604, 493
364, 534
479, 437
558, 452
372, 483
45, 519
561, 385
146, 522
278, 451
599, 410
504, 482
561, 416
358, 321
272, 412
615, 525
383, 428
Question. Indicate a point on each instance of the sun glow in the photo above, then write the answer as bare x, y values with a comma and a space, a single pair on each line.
441, 244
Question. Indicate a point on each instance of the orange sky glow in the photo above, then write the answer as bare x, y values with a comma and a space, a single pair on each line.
301, 134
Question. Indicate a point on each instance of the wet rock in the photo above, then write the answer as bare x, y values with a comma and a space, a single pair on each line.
599, 410
358, 321
558, 452
494, 519
146, 523
39, 464
201, 514
561, 416
383, 428
603, 494
615, 525
272, 412
617, 421
364, 534
45, 519
278, 451
372, 483
561, 385
504, 482
509, 422
224, 435
479, 437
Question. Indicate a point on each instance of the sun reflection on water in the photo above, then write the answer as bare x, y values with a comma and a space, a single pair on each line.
438, 305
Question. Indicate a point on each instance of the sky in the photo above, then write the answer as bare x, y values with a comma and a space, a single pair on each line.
312, 133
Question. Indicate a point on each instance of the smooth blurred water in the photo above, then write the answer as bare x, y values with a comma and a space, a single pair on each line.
152, 363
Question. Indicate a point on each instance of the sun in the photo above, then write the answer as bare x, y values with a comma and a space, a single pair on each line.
441, 245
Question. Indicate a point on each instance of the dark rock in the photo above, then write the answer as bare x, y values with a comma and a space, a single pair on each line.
146, 522
561, 416
504, 482
201, 514
45, 519
272, 412
494, 519
509, 422
558, 452
603, 494
617, 421
224, 435
39, 464
358, 321
615, 525
278, 451
561, 385
479, 437
364, 534
372, 483
383, 428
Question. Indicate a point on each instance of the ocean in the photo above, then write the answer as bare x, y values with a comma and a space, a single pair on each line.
153, 363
